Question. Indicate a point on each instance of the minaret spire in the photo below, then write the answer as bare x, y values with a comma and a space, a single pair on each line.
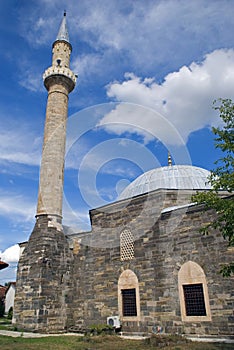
63, 31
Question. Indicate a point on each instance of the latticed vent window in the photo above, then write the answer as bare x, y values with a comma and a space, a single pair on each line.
129, 302
194, 300
126, 245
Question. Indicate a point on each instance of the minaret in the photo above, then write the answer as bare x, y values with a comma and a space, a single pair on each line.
43, 291
59, 80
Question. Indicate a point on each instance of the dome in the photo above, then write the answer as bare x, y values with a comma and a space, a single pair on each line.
185, 177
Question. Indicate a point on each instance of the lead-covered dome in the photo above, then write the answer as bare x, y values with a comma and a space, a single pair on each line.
185, 177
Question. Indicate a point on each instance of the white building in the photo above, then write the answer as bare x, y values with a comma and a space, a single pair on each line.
10, 296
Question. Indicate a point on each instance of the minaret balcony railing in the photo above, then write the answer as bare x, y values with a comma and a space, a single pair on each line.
59, 71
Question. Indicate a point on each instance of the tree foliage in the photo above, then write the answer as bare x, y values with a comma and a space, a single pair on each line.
222, 178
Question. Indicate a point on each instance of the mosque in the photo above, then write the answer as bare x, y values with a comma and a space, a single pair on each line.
144, 266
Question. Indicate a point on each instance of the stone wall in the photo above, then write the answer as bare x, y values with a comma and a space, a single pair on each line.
43, 287
163, 243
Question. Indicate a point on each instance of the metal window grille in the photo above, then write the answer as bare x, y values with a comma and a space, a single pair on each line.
129, 302
194, 300
126, 245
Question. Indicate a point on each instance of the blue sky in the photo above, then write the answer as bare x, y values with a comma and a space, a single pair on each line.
148, 72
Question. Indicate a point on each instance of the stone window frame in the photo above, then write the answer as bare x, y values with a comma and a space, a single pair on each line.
191, 273
128, 280
126, 245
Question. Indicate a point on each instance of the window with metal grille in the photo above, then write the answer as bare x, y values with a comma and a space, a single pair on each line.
129, 302
194, 300
126, 245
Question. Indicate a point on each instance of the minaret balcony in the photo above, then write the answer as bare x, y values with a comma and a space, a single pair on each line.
60, 71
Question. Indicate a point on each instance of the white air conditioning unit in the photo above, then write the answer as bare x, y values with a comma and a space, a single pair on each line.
113, 321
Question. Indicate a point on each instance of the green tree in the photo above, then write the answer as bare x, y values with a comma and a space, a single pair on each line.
222, 178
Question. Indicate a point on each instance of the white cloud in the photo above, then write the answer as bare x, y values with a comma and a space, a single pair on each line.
147, 30
118, 169
11, 254
184, 100
86, 65
76, 219
23, 150
31, 80
38, 26
16, 206
140, 34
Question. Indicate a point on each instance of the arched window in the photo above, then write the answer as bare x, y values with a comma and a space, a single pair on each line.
126, 245
128, 296
193, 293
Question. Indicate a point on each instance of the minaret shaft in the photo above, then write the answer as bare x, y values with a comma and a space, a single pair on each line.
52, 164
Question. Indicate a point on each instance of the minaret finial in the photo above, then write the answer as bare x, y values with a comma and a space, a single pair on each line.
64, 13
169, 159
